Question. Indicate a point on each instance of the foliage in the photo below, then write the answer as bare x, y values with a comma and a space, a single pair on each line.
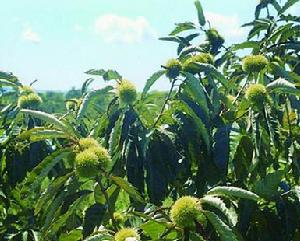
214, 158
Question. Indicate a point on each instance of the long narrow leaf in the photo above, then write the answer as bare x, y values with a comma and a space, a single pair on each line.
233, 192
151, 81
224, 231
51, 119
200, 13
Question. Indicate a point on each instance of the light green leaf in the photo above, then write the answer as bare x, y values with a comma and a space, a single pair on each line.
153, 229
127, 187
4, 82
233, 192
246, 45
283, 86
218, 203
42, 133
99, 237
51, 119
74, 235
297, 192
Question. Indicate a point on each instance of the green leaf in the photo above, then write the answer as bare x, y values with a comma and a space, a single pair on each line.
283, 86
86, 84
4, 82
224, 231
287, 5
233, 192
74, 235
35, 235
93, 217
89, 98
99, 237
218, 203
200, 13
170, 39
180, 27
153, 229
212, 71
111, 74
276, 5
42, 133
106, 75
99, 72
98, 194
242, 157
53, 210
51, 192
297, 192
36, 176
151, 81
268, 186
258, 9
9, 76
196, 237
51, 119
61, 221
196, 91
246, 45
127, 187
183, 107
221, 148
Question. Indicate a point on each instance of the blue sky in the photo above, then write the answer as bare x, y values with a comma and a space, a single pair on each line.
56, 41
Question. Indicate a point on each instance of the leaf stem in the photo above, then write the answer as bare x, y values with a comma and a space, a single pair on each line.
108, 205
165, 103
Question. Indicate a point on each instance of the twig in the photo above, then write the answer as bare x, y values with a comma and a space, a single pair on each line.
241, 90
165, 103
33, 82
108, 205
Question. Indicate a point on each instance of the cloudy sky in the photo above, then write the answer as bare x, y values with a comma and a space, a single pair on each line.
56, 41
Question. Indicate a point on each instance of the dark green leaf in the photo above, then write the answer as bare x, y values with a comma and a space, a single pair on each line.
99, 72
201, 17
111, 74
224, 231
287, 5
268, 186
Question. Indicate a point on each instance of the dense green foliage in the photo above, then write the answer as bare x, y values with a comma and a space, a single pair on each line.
216, 158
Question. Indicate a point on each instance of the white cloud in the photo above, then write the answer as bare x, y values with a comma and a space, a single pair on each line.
113, 28
228, 25
30, 35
